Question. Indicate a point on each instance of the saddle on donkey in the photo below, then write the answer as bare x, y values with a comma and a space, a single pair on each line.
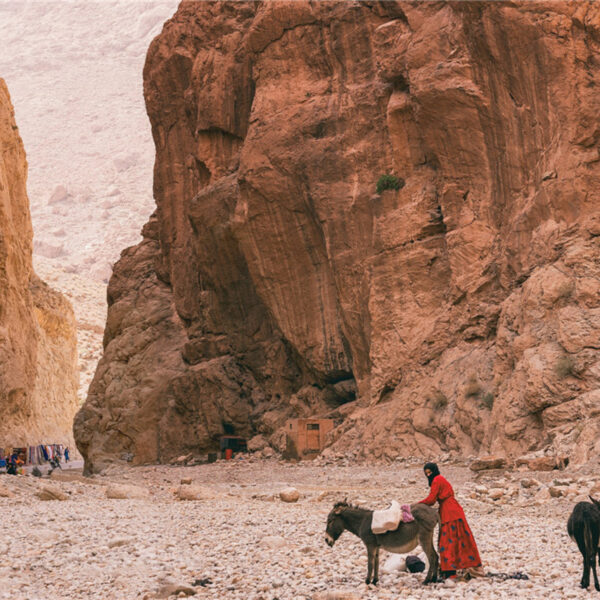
390, 518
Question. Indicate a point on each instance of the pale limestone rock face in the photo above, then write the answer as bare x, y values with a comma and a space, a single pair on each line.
461, 310
38, 360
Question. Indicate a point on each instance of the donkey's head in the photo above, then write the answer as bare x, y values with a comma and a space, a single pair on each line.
335, 523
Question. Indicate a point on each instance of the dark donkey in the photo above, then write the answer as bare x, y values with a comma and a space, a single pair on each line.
584, 528
402, 540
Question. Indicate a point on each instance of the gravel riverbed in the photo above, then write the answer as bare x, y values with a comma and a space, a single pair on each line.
239, 540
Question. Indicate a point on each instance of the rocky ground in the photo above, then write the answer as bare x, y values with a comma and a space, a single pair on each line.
128, 533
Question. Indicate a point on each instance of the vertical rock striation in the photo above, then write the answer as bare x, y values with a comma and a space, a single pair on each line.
38, 359
456, 313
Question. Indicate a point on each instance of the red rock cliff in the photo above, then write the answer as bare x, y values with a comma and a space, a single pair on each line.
461, 310
38, 343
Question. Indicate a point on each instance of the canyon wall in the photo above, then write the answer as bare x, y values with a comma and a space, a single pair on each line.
38, 344
458, 311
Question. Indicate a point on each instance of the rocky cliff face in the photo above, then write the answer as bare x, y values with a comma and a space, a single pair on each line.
460, 312
38, 359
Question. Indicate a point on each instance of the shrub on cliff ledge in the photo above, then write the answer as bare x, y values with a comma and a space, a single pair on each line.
389, 182
564, 366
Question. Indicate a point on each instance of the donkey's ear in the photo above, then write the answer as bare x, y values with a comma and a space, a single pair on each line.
596, 502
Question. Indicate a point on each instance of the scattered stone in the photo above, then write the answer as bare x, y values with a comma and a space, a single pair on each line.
289, 494
257, 443
122, 491
336, 595
543, 463
488, 462
529, 483
496, 493
60, 194
563, 482
595, 491
170, 589
186, 481
5, 492
182, 460
268, 452
51, 493
273, 541
542, 496
555, 491
190, 492
120, 542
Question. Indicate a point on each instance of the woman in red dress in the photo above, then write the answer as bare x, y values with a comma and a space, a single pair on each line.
458, 549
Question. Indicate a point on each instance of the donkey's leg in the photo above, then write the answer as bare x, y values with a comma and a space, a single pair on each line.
371, 562
593, 561
585, 579
426, 541
376, 567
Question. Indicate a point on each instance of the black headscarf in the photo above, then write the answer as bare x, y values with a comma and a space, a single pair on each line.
434, 471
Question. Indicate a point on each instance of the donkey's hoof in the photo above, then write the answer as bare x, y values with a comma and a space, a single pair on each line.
375, 581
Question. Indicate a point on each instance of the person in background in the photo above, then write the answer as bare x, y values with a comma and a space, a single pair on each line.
11, 464
66, 454
458, 550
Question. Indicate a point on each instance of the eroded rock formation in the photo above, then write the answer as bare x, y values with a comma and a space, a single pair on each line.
38, 343
458, 313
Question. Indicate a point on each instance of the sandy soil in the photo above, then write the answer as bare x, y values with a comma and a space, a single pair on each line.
251, 545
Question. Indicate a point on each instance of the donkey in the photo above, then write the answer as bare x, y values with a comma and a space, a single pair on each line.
584, 529
402, 540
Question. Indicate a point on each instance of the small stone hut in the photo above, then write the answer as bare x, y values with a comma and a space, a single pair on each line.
306, 437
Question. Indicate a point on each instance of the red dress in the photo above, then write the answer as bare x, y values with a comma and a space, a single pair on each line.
458, 549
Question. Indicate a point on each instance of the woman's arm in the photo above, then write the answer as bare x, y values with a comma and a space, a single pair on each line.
433, 494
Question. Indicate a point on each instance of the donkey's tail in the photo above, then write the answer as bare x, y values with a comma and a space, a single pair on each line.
590, 547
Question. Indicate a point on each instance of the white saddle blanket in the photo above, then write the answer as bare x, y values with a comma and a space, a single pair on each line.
386, 520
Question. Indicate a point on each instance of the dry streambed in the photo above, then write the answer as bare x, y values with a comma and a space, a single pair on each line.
155, 531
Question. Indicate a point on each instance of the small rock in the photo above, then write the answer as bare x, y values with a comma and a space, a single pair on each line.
268, 452
121, 491
289, 494
496, 493
186, 481
51, 493
529, 483
175, 590
273, 541
190, 492
488, 462
120, 542
563, 482
336, 595
542, 496
257, 443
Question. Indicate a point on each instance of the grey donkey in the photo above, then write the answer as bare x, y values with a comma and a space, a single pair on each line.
406, 537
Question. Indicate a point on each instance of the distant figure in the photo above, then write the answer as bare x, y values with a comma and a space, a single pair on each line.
66, 455
458, 549
11, 465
